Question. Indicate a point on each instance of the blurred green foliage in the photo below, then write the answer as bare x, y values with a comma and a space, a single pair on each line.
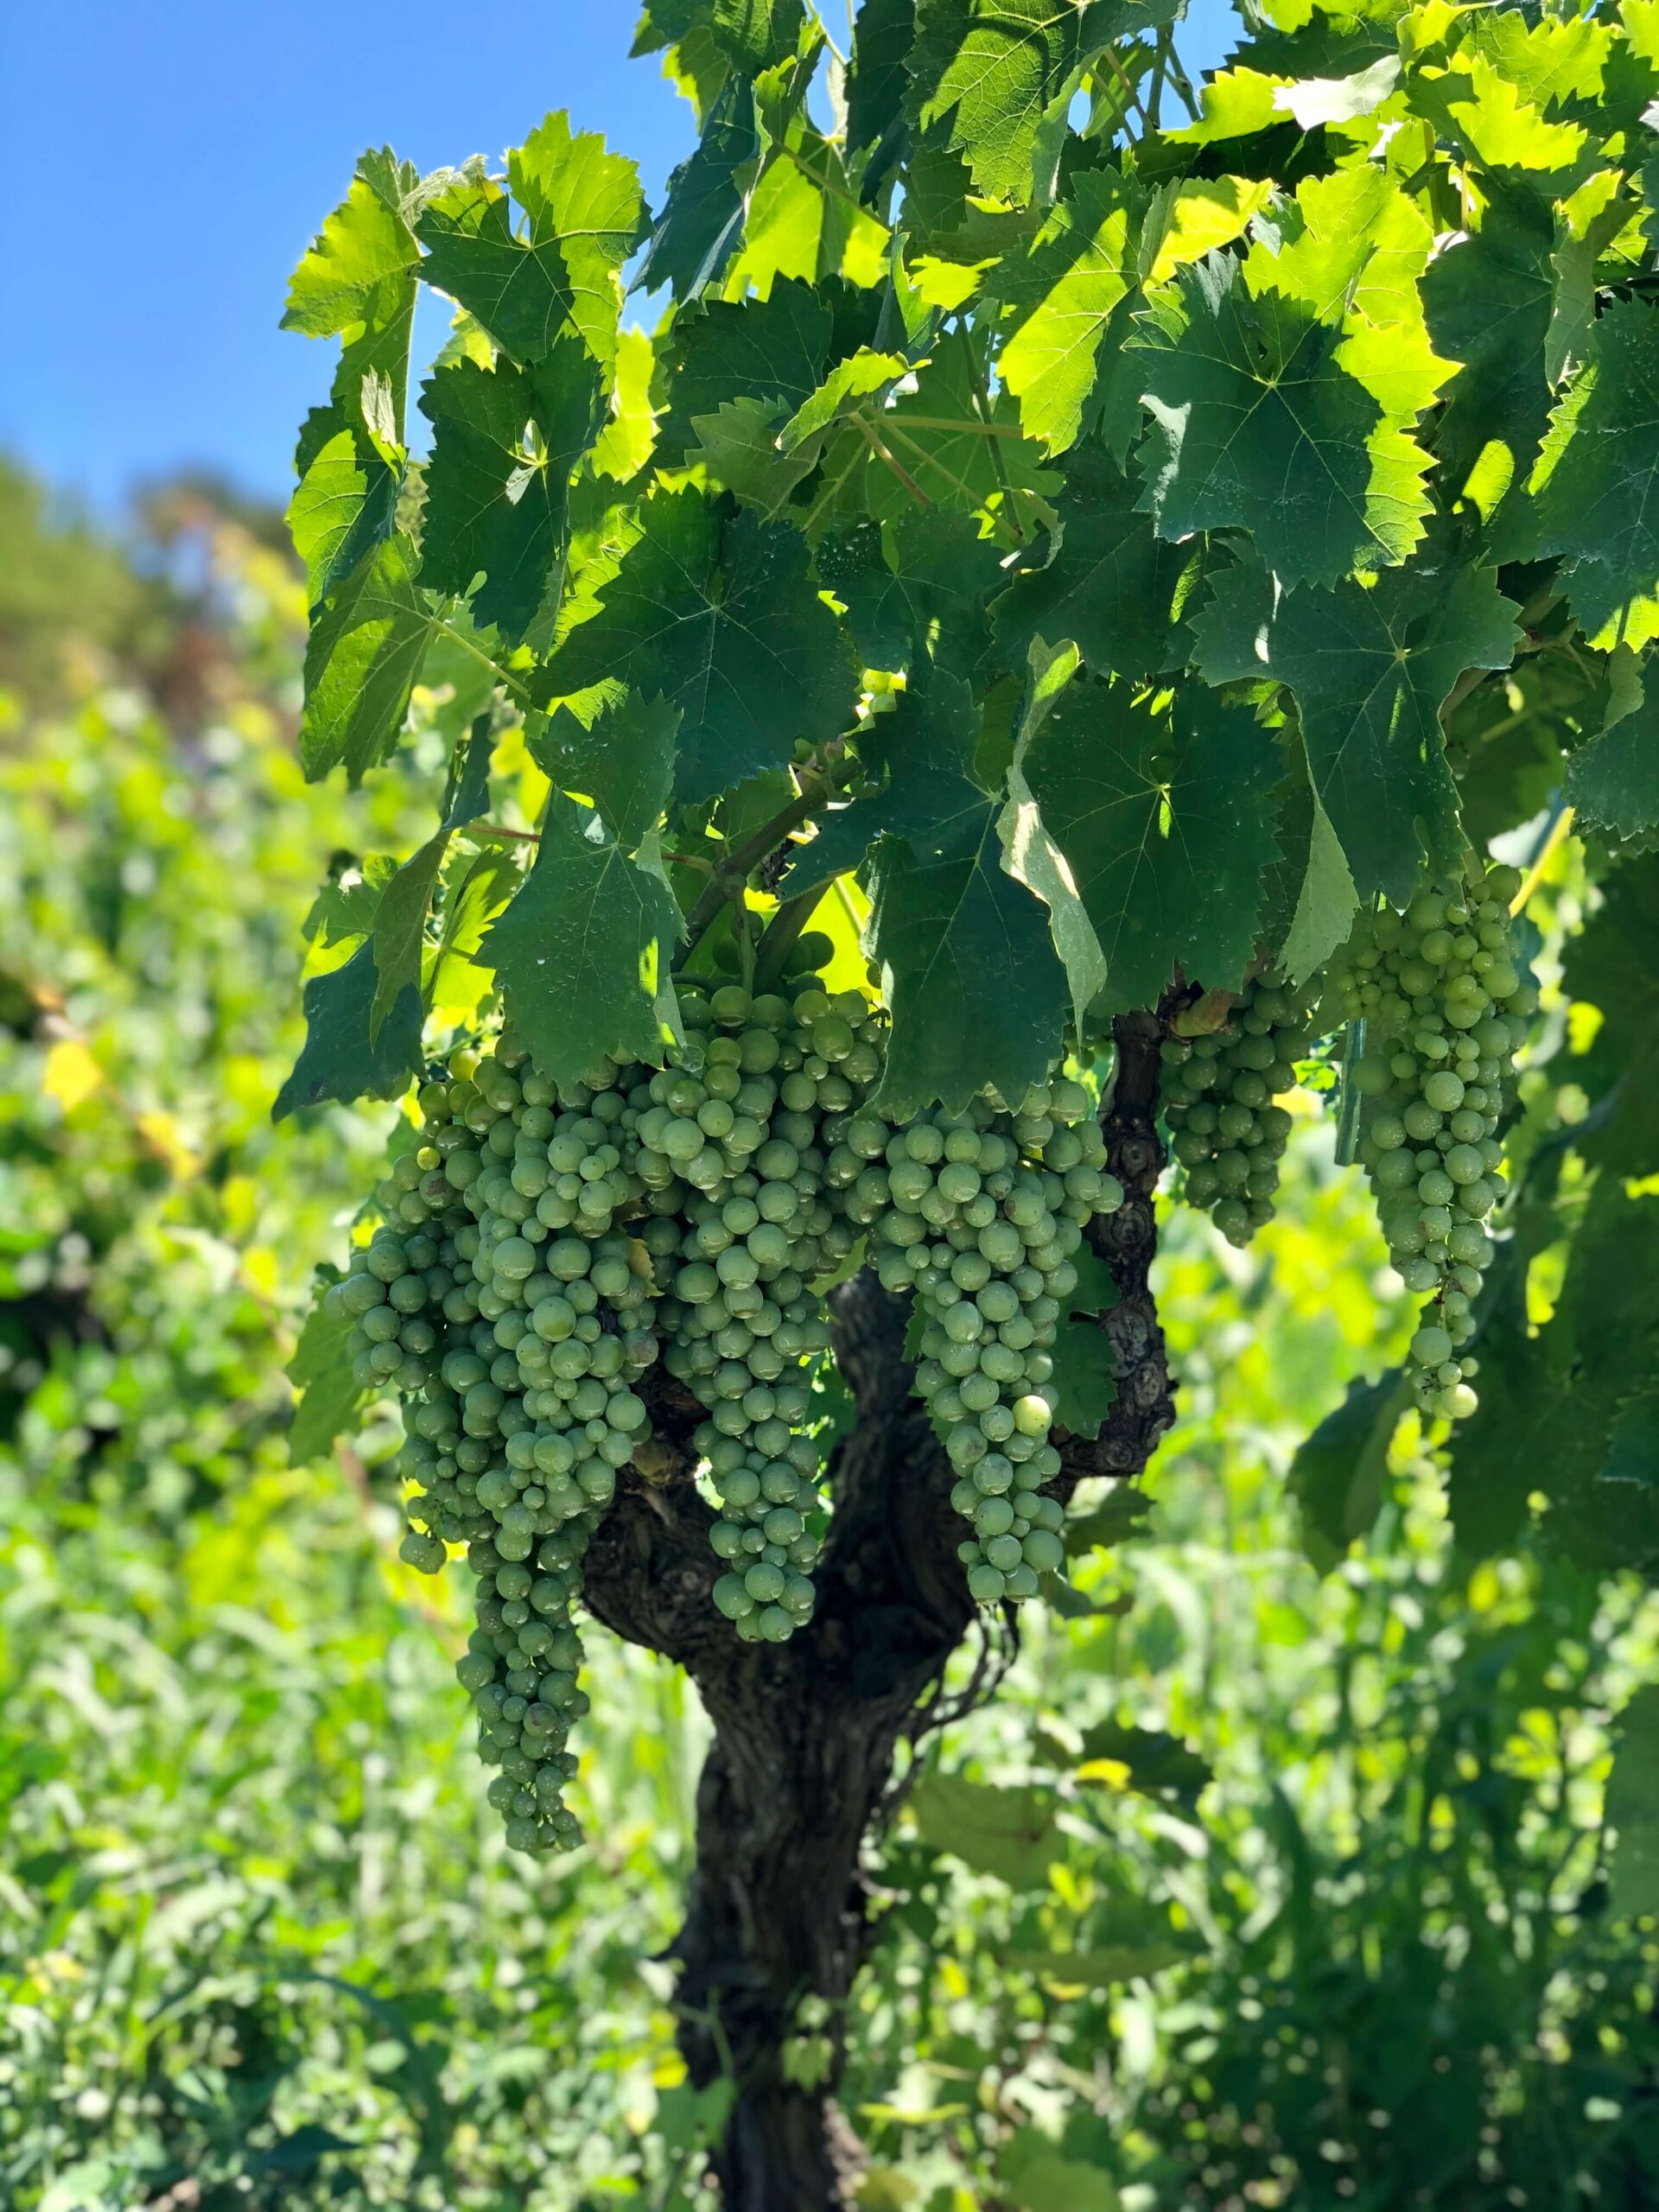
1249, 1889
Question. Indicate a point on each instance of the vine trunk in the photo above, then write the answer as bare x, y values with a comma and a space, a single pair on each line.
806, 1733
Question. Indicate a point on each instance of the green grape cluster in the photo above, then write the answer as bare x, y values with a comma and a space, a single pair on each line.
1445, 1004
748, 1121
979, 1214
1225, 1131
519, 1318
543, 1245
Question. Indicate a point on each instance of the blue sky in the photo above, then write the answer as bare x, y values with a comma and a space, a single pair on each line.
171, 158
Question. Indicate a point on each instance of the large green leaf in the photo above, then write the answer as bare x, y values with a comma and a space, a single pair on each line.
1488, 302
1258, 426
915, 589
1062, 295
1595, 490
623, 762
719, 618
340, 1058
699, 220
977, 996
883, 34
496, 504
399, 926
1370, 668
924, 749
519, 289
589, 203
1109, 583
1613, 781
1166, 822
361, 661
991, 69
357, 281
359, 267
1614, 965
1339, 1477
581, 954
1007, 1832
770, 349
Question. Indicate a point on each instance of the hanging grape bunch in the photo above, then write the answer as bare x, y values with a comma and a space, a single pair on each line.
1218, 1093
519, 1316
733, 1149
1444, 1002
979, 1213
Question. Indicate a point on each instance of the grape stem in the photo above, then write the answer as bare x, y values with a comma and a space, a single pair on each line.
782, 937
1546, 851
731, 873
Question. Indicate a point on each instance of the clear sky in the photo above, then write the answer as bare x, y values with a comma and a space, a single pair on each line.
171, 158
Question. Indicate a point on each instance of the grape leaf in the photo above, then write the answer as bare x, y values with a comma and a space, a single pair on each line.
589, 203
1488, 302
1613, 781
1110, 583
936, 444
915, 589
1156, 1765
757, 34
1084, 1361
925, 747
849, 383
770, 349
1595, 489
1339, 1477
1166, 822
362, 659
1029, 853
1614, 965
802, 220
1007, 1832
320, 1371
358, 274
493, 503
581, 956
721, 619
340, 1059
1370, 670
1062, 295
976, 994
883, 35
358, 280
700, 217
1185, 221
519, 289
624, 763
1325, 905
398, 929
1257, 426
345, 499
992, 67
737, 446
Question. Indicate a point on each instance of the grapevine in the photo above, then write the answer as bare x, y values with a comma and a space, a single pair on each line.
1444, 1003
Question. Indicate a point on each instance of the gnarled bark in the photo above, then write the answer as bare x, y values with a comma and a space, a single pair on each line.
806, 1732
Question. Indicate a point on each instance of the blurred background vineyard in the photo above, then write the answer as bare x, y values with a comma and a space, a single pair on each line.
1253, 1888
